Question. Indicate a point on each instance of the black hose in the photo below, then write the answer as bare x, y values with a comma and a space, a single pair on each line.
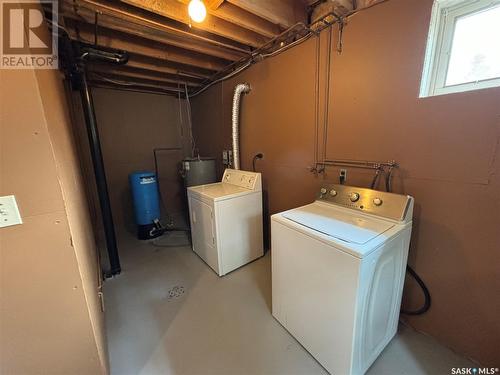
388, 180
375, 179
427, 295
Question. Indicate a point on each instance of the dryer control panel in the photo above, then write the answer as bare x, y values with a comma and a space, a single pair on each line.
244, 179
389, 205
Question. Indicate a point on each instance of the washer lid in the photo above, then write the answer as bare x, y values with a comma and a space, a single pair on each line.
338, 223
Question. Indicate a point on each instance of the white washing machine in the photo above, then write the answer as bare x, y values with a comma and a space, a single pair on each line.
226, 220
338, 268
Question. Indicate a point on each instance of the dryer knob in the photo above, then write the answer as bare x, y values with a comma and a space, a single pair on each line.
377, 202
354, 197
322, 191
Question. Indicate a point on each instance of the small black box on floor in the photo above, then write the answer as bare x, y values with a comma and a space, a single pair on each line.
147, 232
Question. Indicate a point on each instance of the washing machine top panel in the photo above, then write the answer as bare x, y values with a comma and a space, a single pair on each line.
219, 191
338, 223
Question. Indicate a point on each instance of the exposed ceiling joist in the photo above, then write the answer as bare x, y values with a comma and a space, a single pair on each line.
285, 13
138, 45
105, 82
230, 13
166, 51
121, 78
214, 4
134, 72
159, 64
178, 11
142, 17
154, 67
339, 7
158, 35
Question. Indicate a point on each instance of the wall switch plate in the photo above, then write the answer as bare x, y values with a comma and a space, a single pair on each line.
9, 213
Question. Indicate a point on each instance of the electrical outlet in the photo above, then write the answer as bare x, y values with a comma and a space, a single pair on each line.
9, 213
343, 175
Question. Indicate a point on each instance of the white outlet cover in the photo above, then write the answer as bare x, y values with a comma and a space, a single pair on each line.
9, 212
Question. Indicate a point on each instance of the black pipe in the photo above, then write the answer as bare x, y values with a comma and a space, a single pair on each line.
427, 295
100, 175
257, 156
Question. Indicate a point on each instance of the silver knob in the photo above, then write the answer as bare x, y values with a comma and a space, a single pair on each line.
322, 191
354, 197
377, 201
333, 193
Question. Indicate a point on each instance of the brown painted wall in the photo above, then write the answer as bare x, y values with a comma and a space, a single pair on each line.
50, 320
131, 126
447, 147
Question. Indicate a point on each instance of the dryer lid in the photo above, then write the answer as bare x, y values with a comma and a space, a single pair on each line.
338, 223
219, 190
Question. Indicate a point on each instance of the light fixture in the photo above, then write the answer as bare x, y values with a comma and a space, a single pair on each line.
197, 10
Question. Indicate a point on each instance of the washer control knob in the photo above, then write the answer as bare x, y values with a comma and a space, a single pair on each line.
354, 197
333, 193
377, 202
322, 191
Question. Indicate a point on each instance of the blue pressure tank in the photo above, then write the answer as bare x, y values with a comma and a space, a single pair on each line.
146, 201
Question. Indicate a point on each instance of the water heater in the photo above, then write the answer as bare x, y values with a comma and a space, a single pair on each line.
146, 200
198, 171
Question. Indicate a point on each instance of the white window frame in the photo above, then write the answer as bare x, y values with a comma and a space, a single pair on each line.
439, 43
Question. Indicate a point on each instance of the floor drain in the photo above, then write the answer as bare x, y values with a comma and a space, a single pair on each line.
175, 292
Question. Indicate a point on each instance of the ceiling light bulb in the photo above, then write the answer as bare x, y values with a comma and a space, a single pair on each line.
197, 10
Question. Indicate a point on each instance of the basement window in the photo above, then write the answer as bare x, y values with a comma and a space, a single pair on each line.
463, 48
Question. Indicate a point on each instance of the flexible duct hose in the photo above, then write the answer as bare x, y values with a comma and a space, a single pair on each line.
241, 88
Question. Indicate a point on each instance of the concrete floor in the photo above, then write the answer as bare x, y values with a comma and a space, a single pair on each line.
169, 313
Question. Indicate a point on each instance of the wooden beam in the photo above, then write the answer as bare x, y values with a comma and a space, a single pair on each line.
143, 17
231, 13
148, 31
339, 7
154, 67
152, 63
133, 72
214, 4
285, 13
178, 11
100, 83
123, 78
117, 39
